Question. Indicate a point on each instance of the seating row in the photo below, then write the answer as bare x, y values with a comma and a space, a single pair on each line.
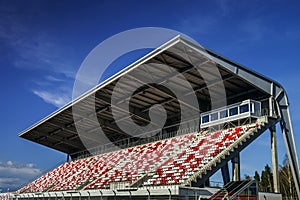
169, 161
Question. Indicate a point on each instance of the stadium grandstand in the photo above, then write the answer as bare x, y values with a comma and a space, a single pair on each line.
172, 163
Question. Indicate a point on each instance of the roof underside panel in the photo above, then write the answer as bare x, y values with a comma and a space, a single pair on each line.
173, 67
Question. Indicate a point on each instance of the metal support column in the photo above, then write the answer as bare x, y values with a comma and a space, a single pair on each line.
207, 183
115, 195
149, 197
274, 159
170, 196
236, 174
101, 193
225, 174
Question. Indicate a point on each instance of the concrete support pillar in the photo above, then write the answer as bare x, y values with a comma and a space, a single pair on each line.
274, 160
236, 174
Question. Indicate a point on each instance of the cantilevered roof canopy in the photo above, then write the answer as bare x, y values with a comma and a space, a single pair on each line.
58, 131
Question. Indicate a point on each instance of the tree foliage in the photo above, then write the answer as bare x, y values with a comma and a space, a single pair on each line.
287, 185
266, 182
257, 178
286, 182
247, 177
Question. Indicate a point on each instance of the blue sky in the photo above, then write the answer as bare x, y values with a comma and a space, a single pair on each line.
43, 43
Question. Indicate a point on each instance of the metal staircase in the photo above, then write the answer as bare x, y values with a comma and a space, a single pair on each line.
237, 189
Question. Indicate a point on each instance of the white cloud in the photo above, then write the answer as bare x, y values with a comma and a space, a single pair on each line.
9, 163
19, 171
57, 99
54, 79
30, 165
8, 181
14, 175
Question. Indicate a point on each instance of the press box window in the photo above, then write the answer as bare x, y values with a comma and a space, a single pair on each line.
214, 116
205, 119
233, 111
244, 108
223, 114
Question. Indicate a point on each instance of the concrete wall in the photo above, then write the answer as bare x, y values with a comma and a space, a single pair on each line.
269, 196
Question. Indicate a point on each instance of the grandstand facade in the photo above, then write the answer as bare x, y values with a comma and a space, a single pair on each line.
170, 162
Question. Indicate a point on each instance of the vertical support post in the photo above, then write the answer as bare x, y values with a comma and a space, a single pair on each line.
225, 174
149, 197
236, 174
115, 195
101, 193
130, 195
207, 183
89, 198
274, 159
271, 107
170, 196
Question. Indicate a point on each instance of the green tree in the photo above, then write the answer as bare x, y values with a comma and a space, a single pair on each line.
267, 179
257, 178
247, 177
287, 186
